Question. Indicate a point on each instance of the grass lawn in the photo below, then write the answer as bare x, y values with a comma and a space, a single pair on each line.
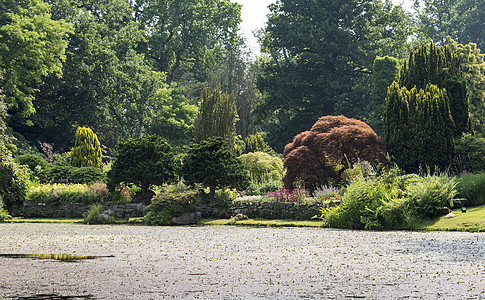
22, 220
473, 220
262, 223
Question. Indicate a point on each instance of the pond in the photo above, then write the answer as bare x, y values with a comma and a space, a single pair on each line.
139, 262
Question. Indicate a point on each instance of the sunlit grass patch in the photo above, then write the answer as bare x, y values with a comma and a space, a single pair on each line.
22, 220
261, 223
473, 220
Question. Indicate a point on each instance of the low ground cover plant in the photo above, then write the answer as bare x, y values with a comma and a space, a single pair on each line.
69, 193
391, 202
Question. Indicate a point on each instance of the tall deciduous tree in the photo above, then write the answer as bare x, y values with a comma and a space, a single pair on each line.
321, 56
32, 46
462, 20
217, 117
184, 34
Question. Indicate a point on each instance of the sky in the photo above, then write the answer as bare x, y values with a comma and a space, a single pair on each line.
253, 14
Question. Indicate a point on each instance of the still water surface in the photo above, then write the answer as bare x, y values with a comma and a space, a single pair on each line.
138, 262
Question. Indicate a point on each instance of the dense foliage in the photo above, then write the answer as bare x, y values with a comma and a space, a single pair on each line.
69, 193
426, 109
144, 161
333, 144
13, 179
389, 201
212, 164
87, 149
385, 71
32, 46
171, 201
419, 127
217, 116
472, 65
262, 167
460, 19
439, 66
255, 143
321, 54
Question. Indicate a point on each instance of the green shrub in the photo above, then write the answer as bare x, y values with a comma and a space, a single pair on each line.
212, 164
31, 161
69, 174
469, 154
3, 213
427, 196
13, 179
368, 203
68, 193
170, 202
87, 149
472, 188
262, 167
262, 188
91, 216
144, 161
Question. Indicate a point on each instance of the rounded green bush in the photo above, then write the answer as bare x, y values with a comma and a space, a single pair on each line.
261, 167
31, 161
13, 179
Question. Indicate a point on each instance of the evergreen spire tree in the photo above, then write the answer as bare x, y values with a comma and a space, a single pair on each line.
217, 116
87, 149
441, 67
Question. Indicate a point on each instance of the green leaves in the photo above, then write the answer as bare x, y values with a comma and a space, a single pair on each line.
143, 161
321, 54
87, 149
32, 46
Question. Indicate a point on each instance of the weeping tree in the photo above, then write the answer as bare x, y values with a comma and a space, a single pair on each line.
87, 149
333, 144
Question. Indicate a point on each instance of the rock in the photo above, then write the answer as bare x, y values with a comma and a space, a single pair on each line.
109, 212
450, 215
240, 217
187, 218
103, 218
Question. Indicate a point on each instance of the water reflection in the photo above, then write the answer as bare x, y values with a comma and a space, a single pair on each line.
60, 257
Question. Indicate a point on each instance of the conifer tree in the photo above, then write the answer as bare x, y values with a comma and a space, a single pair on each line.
472, 65
384, 71
439, 66
87, 149
217, 116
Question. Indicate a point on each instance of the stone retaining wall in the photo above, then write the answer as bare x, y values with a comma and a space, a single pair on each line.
277, 210
32, 209
254, 210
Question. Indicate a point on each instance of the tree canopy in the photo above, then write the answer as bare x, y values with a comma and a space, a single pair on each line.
32, 46
321, 57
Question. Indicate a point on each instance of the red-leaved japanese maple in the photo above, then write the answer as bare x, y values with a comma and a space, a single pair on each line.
333, 144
